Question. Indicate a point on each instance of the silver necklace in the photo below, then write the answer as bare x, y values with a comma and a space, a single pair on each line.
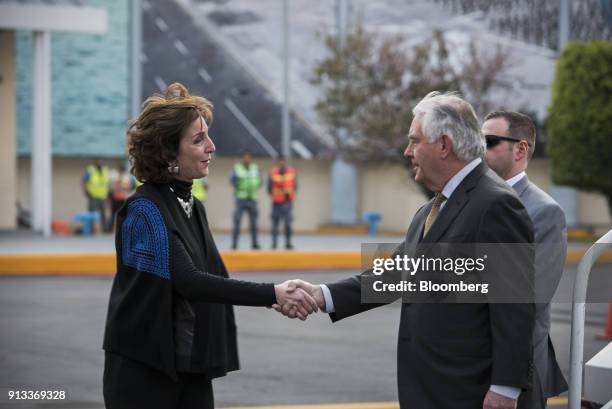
187, 205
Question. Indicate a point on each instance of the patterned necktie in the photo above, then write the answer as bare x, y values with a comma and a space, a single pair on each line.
433, 213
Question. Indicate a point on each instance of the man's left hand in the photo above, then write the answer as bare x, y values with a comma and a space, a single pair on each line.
496, 401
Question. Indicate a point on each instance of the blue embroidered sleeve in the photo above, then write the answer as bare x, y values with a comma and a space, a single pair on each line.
145, 244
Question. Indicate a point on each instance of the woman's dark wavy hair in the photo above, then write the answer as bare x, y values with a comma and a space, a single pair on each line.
154, 137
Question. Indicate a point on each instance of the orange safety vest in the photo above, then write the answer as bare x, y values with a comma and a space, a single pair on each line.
122, 187
283, 185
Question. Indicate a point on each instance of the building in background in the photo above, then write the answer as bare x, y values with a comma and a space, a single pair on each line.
87, 94
229, 52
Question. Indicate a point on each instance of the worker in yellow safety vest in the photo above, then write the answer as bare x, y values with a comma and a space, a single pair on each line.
199, 189
95, 185
282, 187
246, 180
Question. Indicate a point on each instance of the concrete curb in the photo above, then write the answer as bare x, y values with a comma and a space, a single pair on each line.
103, 264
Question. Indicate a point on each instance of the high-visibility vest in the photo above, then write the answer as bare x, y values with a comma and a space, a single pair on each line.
198, 190
97, 184
283, 185
248, 181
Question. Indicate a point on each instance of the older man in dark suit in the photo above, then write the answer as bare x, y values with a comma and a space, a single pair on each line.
470, 355
511, 138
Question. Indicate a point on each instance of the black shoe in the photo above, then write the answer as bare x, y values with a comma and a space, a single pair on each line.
288, 246
255, 246
234, 246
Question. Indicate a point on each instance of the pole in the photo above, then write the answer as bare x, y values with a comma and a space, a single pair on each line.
344, 175
578, 316
41, 134
135, 53
564, 23
342, 21
565, 196
286, 120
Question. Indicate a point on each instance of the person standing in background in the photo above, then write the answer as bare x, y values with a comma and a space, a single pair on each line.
95, 185
282, 187
200, 189
122, 185
246, 180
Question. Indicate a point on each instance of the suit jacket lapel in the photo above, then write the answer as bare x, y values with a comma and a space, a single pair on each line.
415, 231
454, 204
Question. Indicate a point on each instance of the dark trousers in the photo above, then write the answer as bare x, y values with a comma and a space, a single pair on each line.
99, 205
250, 207
132, 385
282, 212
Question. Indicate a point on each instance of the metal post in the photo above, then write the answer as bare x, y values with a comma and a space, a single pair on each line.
564, 23
134, 57
565, 196
344, 175
41, 134
578, 316
286, 120
345, 188
606, 10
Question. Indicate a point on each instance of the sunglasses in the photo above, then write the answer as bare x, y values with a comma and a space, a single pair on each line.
494, 140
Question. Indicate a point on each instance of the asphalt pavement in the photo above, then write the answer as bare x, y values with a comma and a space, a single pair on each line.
52, 330
53, 326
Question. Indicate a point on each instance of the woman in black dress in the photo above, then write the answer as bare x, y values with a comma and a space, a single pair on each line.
170, 326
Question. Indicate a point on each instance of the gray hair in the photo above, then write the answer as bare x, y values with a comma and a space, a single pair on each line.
449, 114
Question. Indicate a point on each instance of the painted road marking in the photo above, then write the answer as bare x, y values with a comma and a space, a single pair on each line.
181, 48
558, 401
160, 83
301, 149
161, 24
361, 405
251, 128
205, 75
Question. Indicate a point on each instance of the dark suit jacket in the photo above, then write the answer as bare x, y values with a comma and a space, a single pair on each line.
450, 354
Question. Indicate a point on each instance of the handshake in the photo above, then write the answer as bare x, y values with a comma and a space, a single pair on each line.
298, 299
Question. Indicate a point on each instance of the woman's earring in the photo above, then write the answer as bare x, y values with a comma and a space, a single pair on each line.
173, 168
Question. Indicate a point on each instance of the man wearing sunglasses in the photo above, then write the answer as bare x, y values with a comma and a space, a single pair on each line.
510, 138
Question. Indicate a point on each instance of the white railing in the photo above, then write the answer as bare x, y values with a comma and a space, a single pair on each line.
578, 317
